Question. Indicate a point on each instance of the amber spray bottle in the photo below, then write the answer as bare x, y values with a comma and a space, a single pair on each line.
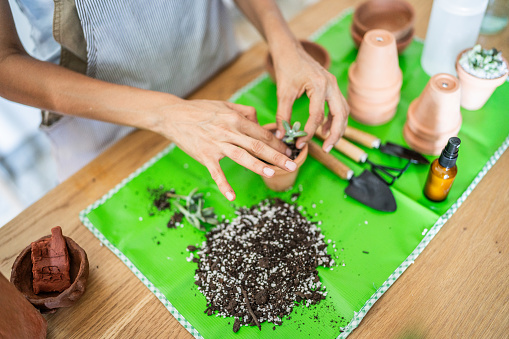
442, 172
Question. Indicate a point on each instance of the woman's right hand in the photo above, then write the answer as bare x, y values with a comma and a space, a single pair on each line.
211, 130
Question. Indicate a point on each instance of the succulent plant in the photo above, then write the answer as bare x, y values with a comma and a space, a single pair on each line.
291, 133
193, 209
488, 61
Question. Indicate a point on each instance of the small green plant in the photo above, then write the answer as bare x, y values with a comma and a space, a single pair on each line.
291, 133
193, 210
488, 60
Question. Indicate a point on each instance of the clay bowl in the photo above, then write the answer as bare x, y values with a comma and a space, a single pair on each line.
395, 16
315, 50
283, 180
21, 277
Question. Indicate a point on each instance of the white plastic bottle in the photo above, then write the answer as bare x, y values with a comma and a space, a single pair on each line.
453, 26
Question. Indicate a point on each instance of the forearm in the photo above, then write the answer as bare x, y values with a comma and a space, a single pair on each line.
268, 20
48, 86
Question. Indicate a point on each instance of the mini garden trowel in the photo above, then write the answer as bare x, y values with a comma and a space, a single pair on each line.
365, 188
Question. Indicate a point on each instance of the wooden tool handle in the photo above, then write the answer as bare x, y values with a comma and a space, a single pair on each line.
329, 161
347, 148
362, 137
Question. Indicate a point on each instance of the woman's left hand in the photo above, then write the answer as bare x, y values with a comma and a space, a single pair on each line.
297, 72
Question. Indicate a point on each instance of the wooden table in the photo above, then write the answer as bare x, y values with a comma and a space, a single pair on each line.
458, 287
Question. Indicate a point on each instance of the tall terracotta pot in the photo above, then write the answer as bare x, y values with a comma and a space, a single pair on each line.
374, 79
283, 180
435, 115
476, 91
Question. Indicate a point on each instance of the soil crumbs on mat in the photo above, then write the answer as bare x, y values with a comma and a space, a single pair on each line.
259, 266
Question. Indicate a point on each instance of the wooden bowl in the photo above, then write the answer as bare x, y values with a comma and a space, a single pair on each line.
395, 16
315, 50
21, 277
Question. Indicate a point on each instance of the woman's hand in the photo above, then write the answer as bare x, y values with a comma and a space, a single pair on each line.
211, 130
296, 73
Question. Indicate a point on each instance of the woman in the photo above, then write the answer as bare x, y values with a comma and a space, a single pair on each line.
139, 62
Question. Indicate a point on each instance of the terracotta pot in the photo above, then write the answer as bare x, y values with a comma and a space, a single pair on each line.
18, 319
21, 277
315, 50
283, 180
395, 16
435, 115
375, 79
476, 91
370, 94
376, 65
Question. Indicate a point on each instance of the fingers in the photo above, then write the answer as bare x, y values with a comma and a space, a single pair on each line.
250, 151
316, 114
338, 118
284, 113
247, 111
255, 131
218, 176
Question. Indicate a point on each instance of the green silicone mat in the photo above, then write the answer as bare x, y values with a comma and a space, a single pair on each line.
372, 248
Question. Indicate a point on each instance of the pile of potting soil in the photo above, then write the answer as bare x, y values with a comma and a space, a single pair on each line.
256, 267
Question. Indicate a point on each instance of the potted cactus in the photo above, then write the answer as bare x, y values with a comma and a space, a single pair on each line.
480, 72
283, 180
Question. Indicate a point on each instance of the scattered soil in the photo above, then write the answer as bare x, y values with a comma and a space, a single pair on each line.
257, 267
175, 220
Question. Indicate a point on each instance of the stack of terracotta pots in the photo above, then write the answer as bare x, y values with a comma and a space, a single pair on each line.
374, 79
395, 16
435, 115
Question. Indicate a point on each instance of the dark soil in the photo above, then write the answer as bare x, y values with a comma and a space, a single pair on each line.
257, 267
295, 151
175, 220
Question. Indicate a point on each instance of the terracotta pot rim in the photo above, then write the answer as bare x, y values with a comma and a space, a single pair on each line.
405, 8
430, 147
55, 296
418, 129
487, 82
355, 83
373, 119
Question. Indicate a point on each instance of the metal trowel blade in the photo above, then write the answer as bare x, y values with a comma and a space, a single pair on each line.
371, 191
403, 152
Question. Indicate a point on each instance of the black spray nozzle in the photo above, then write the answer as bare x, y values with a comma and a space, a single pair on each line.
450, 152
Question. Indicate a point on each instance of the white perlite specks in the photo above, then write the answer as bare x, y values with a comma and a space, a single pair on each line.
257, 266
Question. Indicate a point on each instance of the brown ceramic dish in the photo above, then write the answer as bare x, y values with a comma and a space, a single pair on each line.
315, 50
21, 277
395, 16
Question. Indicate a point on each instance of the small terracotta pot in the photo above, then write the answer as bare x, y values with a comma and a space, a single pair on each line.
283, 180
394, 16
372, 114
21, 277
18, 319
315, 50
476, 91
376, 65
435, 115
